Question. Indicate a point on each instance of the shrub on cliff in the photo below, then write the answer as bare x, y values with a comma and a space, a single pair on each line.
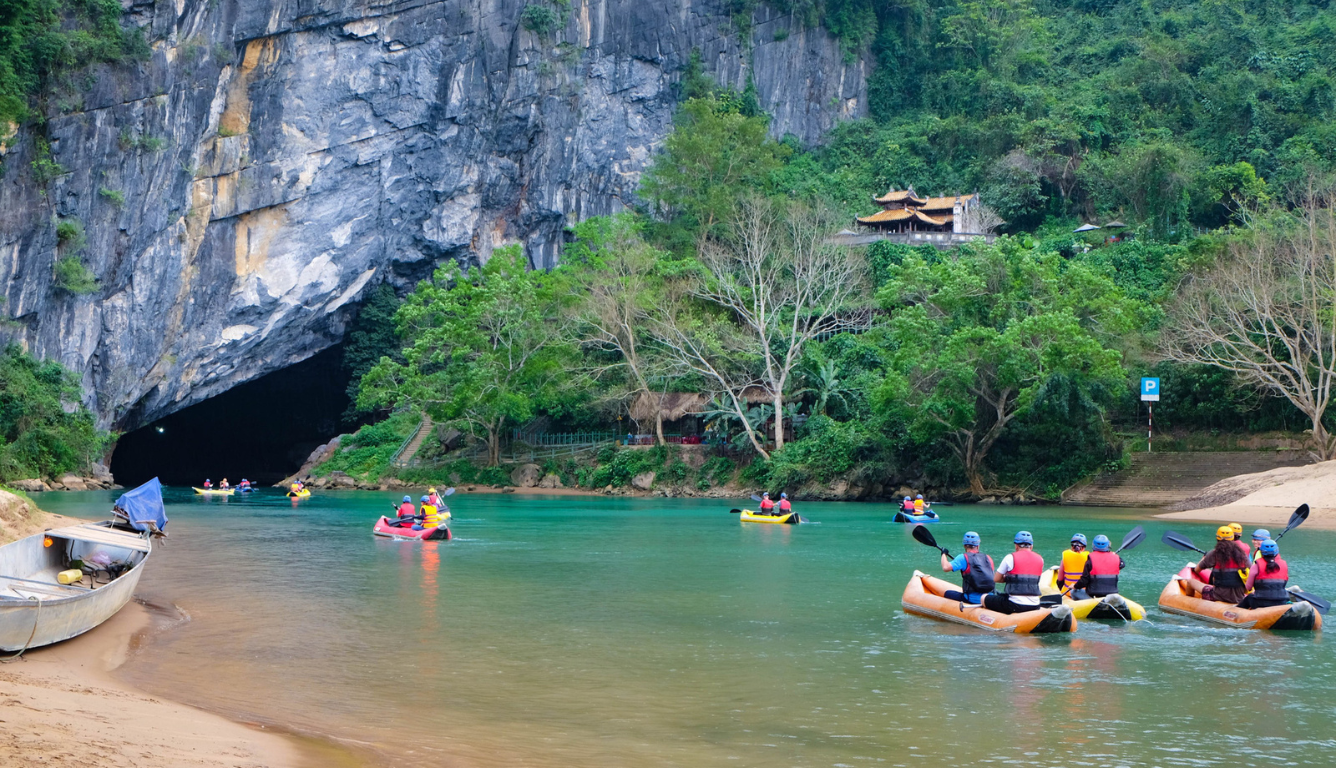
44, 430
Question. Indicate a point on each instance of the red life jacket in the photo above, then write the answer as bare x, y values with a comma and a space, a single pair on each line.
407, 509
908, 506
1104, 570
1023, 578
1271, 586
767, 505
1247, 550
784, 505
978, 575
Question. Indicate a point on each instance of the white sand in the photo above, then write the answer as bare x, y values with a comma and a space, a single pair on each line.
1267, 498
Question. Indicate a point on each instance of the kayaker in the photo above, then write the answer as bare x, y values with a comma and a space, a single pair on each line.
434, 497
432, 514
784, 506
918, 504
908, 506
406, 511
1260, 535
1267, 578
1072, 564
1099, 578
1227, 564
767, 506
295, 488
1020, 571
207, 483
244, 483
223, 485
975, 568
1237, 528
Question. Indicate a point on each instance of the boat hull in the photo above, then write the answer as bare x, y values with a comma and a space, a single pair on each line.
923, 597
1110, 608
791, 518
55, 614
902, 517
215, 491
383, 528
299, 495
1297, 616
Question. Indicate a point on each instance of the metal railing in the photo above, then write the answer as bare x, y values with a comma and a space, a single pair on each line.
397, 460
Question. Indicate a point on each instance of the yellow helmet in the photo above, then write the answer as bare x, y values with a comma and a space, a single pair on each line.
433, 490
1237, 529
1224, 533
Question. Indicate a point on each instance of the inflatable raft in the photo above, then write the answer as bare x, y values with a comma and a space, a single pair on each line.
384, 527
303, 493
923, 597
215, 491
792, 518
1295, 616
903, 517
1111, 608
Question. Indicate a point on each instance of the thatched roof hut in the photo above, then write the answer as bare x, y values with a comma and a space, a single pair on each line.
673, 405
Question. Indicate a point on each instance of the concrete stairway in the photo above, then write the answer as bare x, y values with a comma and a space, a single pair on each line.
1160, 479
404, 456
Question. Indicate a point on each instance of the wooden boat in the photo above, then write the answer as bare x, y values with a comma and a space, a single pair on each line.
1110, 608
1175, 598
215, 491
36, 610
924, 597
792, 518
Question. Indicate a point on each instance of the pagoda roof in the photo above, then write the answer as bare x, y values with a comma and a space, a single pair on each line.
899, 196
944, 203
903, 214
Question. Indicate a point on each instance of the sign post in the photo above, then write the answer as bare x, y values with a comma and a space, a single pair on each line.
1150, 395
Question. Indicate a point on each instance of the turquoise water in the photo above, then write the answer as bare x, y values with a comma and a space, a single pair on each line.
661, 632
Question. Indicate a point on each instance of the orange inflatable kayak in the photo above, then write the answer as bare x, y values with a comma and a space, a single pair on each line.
1176, 599
923, 597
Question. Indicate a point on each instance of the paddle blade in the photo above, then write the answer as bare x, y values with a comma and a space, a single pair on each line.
754, 497
734, 511
1133, 538
1321, 605
1179, 542
449, 492
1296, 519
922, 535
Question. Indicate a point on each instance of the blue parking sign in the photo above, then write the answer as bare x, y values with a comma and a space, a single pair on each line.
1150, 390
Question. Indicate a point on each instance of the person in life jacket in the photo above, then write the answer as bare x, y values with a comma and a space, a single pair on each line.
908, 506
207, 483
976, 572
1267, 578
223, 485
1237, 528
918, 504
1100, 576
405, 512
1228, 566
1072, 564
1260, 535
784, 506
295, 488
1020, 571
244, 483
767, 506
434, 497
432, 515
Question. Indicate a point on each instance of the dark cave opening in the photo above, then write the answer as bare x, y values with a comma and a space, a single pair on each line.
261, 430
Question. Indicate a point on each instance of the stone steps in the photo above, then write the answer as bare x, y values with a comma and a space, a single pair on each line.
1160, 479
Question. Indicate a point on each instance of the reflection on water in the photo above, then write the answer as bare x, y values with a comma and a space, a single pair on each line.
618, 632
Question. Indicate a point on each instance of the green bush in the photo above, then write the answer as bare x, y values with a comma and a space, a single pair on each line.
113, 196
367, 452
71, 275
466, 471
829, 449
539, 19
70, 234
44, 430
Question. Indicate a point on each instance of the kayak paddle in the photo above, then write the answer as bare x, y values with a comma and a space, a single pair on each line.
1179, 542
924, 536
1321, 605
1133, 538
1299, 515
734, 511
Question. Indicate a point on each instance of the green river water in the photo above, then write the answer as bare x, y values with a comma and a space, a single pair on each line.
590, 631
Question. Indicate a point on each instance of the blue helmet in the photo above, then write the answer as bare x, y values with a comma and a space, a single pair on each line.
1261, 534
1024, 537
1269, 548
408, 499
424, 499
971, 539
908, 499
1101, 543
783, 495
1079, 538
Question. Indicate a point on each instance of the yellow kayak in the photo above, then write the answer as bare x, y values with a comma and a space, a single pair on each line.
791, 518
303, 493
1114, 607
215, 491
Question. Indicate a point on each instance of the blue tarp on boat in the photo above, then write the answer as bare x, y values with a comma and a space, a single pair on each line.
143, 506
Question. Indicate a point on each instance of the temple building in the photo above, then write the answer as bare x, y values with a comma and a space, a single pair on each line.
906, 215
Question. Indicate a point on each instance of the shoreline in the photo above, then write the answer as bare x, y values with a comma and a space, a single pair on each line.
1320, 518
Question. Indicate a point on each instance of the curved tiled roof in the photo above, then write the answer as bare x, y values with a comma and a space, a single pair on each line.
899, 196
944, 203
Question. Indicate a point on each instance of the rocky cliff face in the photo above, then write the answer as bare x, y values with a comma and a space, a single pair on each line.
275, 158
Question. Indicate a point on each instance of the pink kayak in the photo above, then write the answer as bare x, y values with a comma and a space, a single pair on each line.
384, 527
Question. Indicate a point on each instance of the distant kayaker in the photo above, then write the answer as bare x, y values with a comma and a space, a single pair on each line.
1237, 528
1227, 564
918, 504
908, 506
1260, 535
975, 568
433, 497
1267, 578
432, 515
207, 483
1072, 564
295, 488
406, 510
784, 506
244, 483
767, 506
1099, 577
223, 485
1020, 571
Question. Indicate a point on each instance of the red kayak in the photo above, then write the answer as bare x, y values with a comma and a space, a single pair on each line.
384, 527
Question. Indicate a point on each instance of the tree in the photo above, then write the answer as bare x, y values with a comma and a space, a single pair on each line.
483, 348
615, 273
775, 283
979, 337
1267, 312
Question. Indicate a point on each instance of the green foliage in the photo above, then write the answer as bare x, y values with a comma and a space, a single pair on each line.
70, 235
113, 196
367, 452
542, 20
44, 431
41, 41
828, 450
371, 335
45, 169
617, 466
466, 471
73, 276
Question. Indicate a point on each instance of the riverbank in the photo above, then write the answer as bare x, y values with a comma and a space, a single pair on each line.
1266, 498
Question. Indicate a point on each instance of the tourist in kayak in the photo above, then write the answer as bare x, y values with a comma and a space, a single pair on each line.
1267, 578
295, 488
1227, 564
918, 504
1237, 528
976, 571
908, 506
406, 512
1099, 577
207, 483
432, 513
784, 506
767, 506
1260, 535
245, 484
1072, 564
1020, 571
433, 497
223, 486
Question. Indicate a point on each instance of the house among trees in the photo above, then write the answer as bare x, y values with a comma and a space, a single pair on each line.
908, 218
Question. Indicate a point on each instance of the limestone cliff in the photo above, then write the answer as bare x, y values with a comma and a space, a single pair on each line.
275, 158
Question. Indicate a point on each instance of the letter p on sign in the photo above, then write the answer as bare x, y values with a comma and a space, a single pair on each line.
1150, 390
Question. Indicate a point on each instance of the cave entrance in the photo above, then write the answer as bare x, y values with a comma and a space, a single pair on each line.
261, 430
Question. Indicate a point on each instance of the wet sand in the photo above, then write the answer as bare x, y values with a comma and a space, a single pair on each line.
1266, 498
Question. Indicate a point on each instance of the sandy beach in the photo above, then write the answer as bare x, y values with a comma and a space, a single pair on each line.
1266, 498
